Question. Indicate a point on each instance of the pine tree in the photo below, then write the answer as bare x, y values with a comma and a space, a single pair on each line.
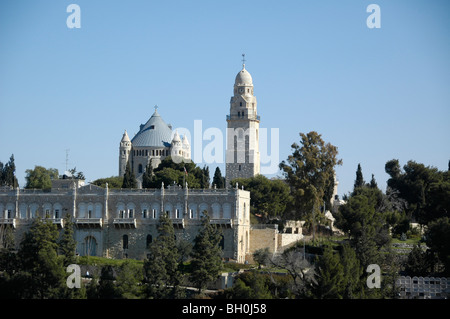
206, 254
373, 182
129, 180
147, 178
329, 276
162, 273
353, 272
218, 179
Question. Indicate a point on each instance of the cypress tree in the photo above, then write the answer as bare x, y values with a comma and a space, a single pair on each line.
147, 178
68, 244
218, 180
359, 182
129, 180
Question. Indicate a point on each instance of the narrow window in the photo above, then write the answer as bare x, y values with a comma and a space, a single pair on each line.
239, 167
239, 114
144, 213
56, 213
154, 213
240, 103
125, 241
89, 213
140, 168
130, 213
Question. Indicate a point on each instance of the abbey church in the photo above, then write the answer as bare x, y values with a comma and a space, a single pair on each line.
121, 223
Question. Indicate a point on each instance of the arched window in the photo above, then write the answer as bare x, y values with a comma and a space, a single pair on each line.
125, 241
90, 246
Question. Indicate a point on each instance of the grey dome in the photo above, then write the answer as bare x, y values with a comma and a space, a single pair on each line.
154, 133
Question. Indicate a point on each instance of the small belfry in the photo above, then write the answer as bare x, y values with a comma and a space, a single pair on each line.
242, 152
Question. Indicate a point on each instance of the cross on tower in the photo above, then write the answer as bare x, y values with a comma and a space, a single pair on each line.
243, 59
156, 107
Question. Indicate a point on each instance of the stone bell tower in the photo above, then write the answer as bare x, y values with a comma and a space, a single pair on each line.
242, 153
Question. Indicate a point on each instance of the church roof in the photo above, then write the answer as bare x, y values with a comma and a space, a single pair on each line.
154, 133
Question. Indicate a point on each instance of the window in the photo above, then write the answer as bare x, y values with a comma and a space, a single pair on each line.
146, 152
239, 114
140, 168
130, 213
89, 213
125, 241
56, 213
240, 103
154, 213
121, 213
239, 167
152, 127
177, 213
149, 241
144, 213
191, 213
153, 152
242, 114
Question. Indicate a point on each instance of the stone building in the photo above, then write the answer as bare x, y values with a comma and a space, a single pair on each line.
242, 151
119, 223
154, 142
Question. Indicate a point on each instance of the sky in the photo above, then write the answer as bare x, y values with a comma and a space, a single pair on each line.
375, 93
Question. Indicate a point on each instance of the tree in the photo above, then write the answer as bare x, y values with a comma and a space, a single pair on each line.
113, 182
353, 286
206, 254
359, 181
147, 178
329, 277
40, 177
261, 256
269, 198
205, 181
218, 179
41, 273
308, 172
129, 180
418, 262
7, 173
67, 244
162, 273
438, 239
127, 280
75, 174
425, 188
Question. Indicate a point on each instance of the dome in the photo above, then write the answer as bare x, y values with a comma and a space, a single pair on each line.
154, 133
243, 78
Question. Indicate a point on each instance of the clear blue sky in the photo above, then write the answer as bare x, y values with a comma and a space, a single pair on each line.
376, 94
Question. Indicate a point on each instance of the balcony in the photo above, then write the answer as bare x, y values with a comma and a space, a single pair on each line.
125, 222
8, 222
178, 223
89, 222
224, 223
246, 117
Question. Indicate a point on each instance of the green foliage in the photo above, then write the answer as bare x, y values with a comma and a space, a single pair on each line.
261, 256
113, 182
309, 171
128, 280
218, 179
7, 173
438, 239
129, 180
67, 243
206, 254
162, 273
425, 188
205, 180
147, 177
250, 285
40, 177
269, 198
359, 181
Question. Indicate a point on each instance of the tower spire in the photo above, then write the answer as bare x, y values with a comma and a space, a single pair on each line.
243, 60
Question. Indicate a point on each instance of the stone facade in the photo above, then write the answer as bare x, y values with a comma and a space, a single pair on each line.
242, 153
122, 223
